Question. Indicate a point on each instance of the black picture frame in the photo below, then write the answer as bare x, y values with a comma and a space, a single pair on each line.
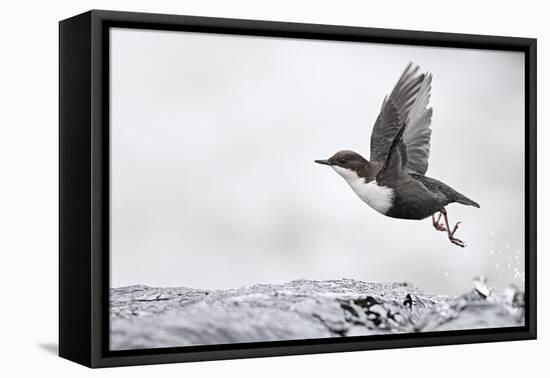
84, 187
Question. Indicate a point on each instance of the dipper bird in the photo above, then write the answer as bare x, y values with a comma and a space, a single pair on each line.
393, 181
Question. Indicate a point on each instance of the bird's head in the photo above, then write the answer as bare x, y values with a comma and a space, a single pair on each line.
347, 164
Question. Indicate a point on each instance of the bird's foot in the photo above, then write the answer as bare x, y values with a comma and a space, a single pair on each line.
450, 233
438, 226
454, 240
457, 241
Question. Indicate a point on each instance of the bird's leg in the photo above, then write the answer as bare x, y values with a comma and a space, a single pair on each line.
450, 233
438, 226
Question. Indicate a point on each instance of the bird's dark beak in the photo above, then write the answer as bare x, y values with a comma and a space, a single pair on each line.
325, 162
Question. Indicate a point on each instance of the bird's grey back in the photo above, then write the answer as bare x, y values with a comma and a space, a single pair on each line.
441, 189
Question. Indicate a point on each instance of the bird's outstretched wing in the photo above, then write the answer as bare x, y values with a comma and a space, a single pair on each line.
393, 170
407, 105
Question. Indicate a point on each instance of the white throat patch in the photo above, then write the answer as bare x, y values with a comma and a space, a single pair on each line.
378, 197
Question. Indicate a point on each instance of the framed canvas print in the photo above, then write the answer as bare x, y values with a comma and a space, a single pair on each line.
236, 188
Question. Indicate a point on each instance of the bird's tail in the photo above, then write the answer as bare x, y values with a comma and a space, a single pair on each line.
466, 201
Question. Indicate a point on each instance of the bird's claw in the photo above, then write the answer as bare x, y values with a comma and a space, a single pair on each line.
456, 241
439, 227
455, 228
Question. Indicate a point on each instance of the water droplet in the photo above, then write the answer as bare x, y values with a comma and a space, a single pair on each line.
481, 286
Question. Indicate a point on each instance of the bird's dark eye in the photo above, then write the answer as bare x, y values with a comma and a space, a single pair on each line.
343, 161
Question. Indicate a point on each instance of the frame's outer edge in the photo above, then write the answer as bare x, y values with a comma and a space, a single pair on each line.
99, 103
311, 31
75, 323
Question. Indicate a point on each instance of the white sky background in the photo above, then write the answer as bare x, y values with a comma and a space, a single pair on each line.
213, 183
